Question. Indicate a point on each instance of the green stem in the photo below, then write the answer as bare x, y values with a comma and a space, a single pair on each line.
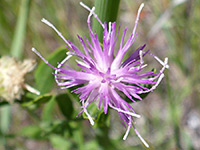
5, 117
107, 11
20, 30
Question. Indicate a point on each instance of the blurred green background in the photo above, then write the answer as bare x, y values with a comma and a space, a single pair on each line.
170, 115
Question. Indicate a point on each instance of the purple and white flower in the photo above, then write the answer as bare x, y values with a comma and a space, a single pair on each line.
104, 75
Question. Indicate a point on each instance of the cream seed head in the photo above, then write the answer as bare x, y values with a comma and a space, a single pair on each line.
12, 78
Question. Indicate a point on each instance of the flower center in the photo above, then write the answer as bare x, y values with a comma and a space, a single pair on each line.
107, 77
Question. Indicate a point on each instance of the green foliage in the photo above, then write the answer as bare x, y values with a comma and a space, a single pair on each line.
102, 119
48, 110
65, 105
107, 11
5, 118
43, 74
20, 31
31, 131
39, 100
59, 143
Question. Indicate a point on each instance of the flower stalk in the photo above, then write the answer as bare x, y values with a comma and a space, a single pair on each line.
107, 11
20, 31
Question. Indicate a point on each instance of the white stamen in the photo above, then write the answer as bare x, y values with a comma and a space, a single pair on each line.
89, 117
86, 104
118, 80
109, 51
31, 89
161, 62
158, 82
159, 79
92, 10
132, 68
137, 18
144, 66
89, 16
37, 53
112, 86
143, 141
60, 65
69, 53
110, 27
166, 63
141, 59
85, 6
82, 63
95, 15
65, 87
54, 28
126, 112
128, 130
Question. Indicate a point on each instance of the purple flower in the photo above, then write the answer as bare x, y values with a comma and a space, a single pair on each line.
104, 75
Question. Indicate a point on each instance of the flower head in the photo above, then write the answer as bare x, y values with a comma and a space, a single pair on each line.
104, 75
12, 77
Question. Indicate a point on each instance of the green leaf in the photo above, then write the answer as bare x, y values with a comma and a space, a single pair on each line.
5, 117
47, 113
65, 105
102, 119
39, 100
31, 131
106, 10
20, 31
59, 143
43, 74
92, 110
91, 145
56, 127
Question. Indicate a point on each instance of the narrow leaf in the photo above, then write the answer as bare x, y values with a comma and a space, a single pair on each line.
107, 11
65, 105
20, 31
43, 74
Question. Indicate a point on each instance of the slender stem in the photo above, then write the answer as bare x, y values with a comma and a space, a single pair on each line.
20, 30
107, 11
5, 117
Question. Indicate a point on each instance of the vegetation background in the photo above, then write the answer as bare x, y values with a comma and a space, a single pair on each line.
170, 115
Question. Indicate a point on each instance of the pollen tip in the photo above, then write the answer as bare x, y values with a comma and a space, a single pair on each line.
92, 123
38, 93
93, 8
166, 61
33, 49
162, 75
43, 20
